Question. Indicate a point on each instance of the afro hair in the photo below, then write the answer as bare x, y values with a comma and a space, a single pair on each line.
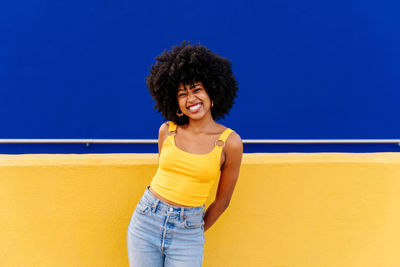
187, 64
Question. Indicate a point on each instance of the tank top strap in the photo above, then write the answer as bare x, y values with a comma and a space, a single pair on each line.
225, 135
172, 126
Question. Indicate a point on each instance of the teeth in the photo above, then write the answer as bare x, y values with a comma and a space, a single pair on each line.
194, 107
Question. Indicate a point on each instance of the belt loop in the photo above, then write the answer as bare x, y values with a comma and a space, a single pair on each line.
182, 209
204, 209
154, 207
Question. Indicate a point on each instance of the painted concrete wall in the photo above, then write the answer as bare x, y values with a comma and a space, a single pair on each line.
288, 210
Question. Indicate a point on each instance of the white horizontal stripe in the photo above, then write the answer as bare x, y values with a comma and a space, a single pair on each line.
246, 141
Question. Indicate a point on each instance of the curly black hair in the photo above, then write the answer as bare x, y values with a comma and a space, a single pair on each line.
190, 63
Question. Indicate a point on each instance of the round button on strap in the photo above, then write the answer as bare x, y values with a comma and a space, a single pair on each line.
216, 143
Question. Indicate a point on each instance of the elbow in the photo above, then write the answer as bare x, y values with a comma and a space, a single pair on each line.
222, 204
226, 204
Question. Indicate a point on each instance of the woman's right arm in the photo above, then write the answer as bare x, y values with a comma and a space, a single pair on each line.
162, 135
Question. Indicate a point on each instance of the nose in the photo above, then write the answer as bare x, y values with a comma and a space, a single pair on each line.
191, 96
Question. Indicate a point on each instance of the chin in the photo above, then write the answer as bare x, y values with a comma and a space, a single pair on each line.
196, 116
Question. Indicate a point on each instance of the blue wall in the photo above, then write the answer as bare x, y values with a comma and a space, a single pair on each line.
306, 69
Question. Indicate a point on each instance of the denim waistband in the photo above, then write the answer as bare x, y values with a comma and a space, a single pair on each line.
157, 204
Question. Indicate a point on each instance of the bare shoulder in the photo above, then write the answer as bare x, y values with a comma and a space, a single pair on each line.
164, 127
163, 131
233, 152
234, 142
162, 135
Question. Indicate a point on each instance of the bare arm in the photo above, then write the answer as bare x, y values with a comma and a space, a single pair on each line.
228, 179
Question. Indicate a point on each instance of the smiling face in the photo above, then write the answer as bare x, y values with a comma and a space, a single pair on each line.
194, 101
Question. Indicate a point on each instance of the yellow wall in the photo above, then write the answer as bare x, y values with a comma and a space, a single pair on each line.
288, 210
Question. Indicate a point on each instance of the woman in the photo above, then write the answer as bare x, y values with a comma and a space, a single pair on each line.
192, 88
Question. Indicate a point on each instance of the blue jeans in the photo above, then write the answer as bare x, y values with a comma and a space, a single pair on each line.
163, 235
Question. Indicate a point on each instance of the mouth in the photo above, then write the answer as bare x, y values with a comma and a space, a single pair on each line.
194, 108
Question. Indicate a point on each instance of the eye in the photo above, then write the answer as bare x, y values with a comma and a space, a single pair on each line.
197, 89
182, 94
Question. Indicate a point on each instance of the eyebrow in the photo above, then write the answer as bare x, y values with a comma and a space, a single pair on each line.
184, 89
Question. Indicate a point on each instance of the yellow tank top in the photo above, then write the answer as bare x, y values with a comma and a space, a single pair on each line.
184, 177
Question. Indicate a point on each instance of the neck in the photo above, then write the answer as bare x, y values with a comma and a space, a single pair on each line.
202, 125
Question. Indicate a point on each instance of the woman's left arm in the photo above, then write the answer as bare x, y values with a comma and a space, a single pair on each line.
229, 175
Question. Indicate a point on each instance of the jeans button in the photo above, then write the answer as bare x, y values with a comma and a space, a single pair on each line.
171, 209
